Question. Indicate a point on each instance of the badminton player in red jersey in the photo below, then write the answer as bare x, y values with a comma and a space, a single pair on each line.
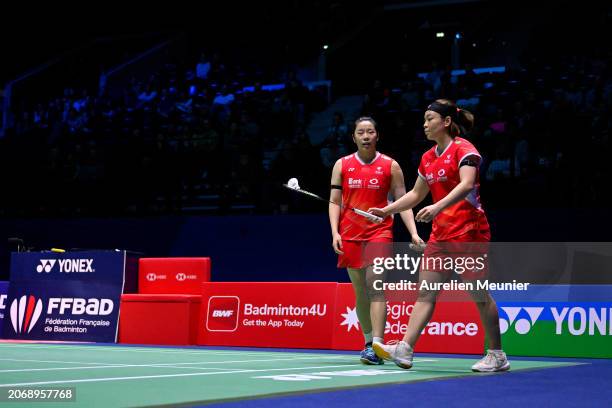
363, 180
449, 170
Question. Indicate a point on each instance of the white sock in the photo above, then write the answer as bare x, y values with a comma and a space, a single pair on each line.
367, 337
378, 340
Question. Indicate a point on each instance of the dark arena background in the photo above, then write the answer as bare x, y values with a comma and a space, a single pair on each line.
150, 255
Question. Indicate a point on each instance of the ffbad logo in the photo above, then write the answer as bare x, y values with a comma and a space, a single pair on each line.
223, 313
25, 313
80, 306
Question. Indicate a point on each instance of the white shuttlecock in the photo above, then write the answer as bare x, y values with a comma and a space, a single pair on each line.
293, 183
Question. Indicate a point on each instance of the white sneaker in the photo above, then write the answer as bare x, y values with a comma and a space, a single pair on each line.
493, 361
398, 352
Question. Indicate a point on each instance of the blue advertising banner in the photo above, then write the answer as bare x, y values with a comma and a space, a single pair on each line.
3, 294
72, 296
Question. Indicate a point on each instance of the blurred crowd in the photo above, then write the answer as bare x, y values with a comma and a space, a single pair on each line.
206, 137
203, 136
543, 129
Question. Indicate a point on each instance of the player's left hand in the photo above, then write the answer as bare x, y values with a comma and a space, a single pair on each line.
417, 243
427, 213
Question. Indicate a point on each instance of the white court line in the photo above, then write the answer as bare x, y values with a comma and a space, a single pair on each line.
175, 363
154, 365
51, 361
111, 366
161, 365
127, 348
202, 352
138, 350
142, 377
152, 350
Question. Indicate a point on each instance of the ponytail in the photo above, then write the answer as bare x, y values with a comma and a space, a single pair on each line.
465, 121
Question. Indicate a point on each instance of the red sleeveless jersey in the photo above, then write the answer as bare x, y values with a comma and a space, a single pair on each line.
365, 185
441, 173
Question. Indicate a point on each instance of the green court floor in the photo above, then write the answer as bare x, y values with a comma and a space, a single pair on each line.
113, 376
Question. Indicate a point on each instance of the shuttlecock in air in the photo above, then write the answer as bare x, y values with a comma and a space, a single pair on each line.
293, 184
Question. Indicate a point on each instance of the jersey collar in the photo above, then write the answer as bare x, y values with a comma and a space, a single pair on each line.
445, 149
364, 163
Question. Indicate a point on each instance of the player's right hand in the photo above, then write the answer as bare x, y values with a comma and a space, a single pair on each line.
337, 244
378, 212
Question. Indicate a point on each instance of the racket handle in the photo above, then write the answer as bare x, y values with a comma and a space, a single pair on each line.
369, 216
417, 247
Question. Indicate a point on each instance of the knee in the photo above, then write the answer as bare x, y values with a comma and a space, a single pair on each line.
376, 295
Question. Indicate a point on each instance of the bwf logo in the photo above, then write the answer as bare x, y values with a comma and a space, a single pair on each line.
223, 313
45, 265
25, 313
522, 325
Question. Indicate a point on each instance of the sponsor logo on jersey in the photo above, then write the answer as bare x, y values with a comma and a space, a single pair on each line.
442, 175
354, 183
373, 184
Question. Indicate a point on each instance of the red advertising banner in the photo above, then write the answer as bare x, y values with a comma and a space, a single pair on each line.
172, 275
268, 314
454, 328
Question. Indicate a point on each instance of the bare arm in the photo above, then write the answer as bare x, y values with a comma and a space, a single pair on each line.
335, 195
408, 200
467, 177
398, 189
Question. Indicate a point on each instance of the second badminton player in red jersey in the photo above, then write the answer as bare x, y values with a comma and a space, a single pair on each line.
450, 171
363, 180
